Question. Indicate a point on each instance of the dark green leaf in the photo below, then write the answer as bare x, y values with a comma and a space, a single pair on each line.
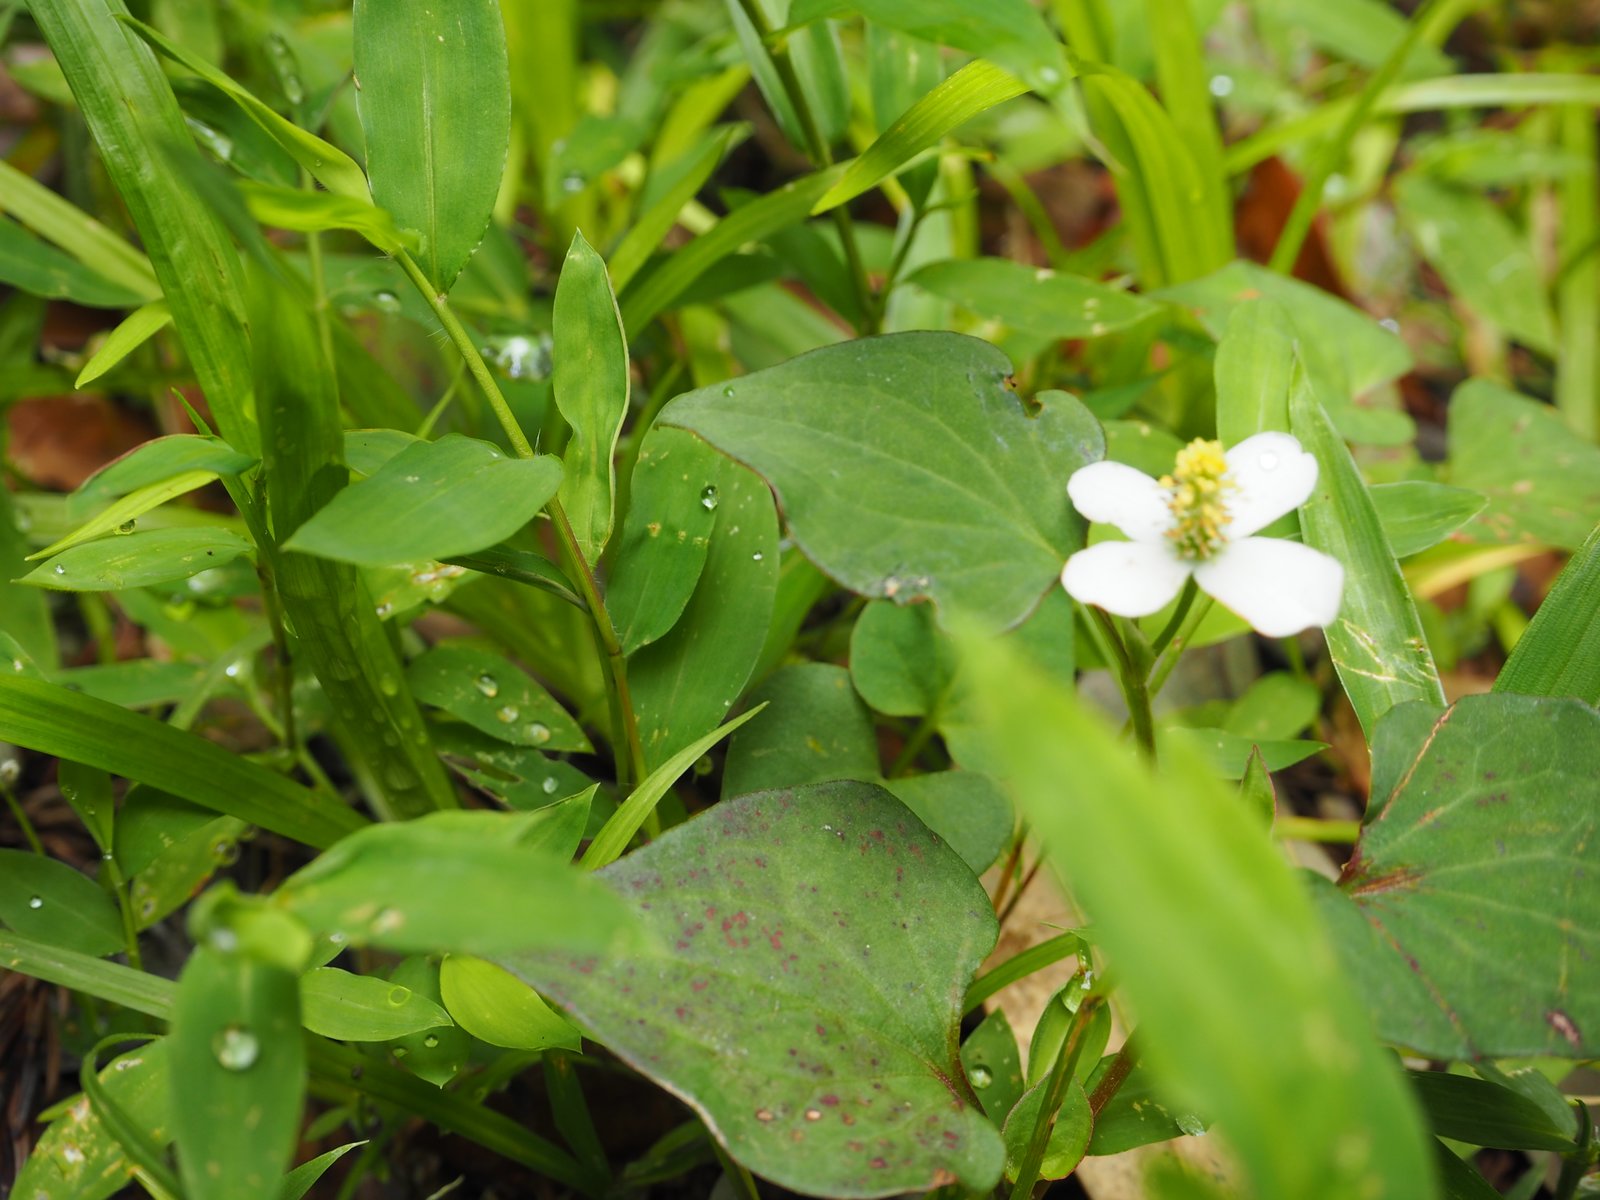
435, 98
1559, 653
814, 729
1481, 1113
1463, 916
771, 911
685, 683
1542, 481
971, 812
494, 695
964, 505
901, 663
43, 898
666, 535
1136, 1114
55, 721
239, 1058
138, 559
431, 500
1417, 515
993, 1065
41, 270
1254, 370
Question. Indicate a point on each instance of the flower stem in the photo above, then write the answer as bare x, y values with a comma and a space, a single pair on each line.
1135, 690
1185, 602
625, 721
1174, 651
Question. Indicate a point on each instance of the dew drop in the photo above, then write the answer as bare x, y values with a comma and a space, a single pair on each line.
236, 1048
488, 685
708, 500
538, 733
400, 1051
126, 527
757, 556
10, 771
981, 1077
1190, 1124
572, 183
225, 851
549, 785
728, 391
399, 995
1049, 76
1221, 86
60, 570
431, 1042
507, 713
35, 901
386, 301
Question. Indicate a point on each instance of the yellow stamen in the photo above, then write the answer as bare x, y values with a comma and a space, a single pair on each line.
1197, 493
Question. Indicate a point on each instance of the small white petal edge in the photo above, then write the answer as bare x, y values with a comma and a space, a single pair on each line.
1112, 493
1131, 579
1279, 587
1274, 476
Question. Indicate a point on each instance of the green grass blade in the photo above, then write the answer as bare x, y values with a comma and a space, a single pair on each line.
338, 628
788, 205
1377, 642
327, 164
618, 831
689, 175
57, 220
66, 724
974, 89
140, 326
140, 133
1559, 653
1578, 285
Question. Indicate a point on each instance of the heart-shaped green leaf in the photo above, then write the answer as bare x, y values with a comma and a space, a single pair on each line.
1468, 916
964, 503
805, 998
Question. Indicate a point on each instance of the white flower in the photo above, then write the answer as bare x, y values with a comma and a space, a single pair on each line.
1198, 521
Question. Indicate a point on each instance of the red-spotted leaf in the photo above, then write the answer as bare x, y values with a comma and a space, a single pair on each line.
806, 990
1469, 916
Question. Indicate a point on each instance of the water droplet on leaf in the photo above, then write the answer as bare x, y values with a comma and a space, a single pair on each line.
538, 733
708, 499
431, 1042
981, 1077
507, 713
236, 1048
488, 685
549, 785
35, 901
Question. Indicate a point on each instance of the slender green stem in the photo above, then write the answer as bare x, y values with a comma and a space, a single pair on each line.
913, 745
1169, 660
1185, 602
1308, 829
1055, 1092
822, 155
1432, 21
23, 823
744, 1184
1134, 688
625, 737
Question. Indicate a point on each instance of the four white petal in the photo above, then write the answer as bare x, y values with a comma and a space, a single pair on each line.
1279, 587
